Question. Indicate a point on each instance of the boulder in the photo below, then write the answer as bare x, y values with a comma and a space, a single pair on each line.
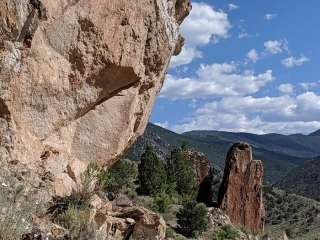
114, 228
217, 218
119, 222
78, 78
149, 225
240, 194
122, 201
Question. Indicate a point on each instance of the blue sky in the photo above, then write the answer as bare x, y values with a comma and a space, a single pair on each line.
248, 66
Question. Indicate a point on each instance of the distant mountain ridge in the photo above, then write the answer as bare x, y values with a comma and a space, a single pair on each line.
303, 180
296, 145
316, 133
280, 153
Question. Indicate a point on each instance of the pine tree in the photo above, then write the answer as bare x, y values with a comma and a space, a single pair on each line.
180, 171
192, 219
120, 176
152, 173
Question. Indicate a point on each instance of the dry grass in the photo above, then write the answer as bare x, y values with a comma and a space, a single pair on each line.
16, 214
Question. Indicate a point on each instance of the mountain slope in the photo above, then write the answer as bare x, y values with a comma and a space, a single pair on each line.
303, 180
297, 215
316, 133
278, 152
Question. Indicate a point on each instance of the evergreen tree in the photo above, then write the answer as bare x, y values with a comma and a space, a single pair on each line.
119, 177
152, 173
180, 171
162, 202
192, 219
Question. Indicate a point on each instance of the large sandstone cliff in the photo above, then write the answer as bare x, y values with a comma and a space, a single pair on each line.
78, 79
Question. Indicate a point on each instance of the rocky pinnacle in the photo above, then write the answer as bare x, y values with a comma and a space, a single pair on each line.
240, 194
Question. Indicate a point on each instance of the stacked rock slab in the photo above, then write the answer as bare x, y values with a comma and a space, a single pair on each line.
240, 194
78, 78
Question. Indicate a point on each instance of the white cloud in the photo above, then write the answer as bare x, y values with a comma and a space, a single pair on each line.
243, 34
310, 85
283, 114
202, 26
215, 80
205, 24
163, 124
286, 88
291, 62
187, 55
276, 46
232, 6
270, 16
253, 55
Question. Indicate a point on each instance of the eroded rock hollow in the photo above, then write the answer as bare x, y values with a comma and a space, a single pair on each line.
240, 194
78, 79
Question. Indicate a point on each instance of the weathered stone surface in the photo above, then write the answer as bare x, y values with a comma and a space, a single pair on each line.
208, 177
78, 78
118, 222
240, 194
217, 218
122, 201
200, 164
149, 225
113, 228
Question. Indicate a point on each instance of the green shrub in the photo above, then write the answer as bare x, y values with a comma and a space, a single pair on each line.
75, 219
73, 212
226, 233
192, 219
88, 183
162, 202
152, 173
170, 233
13, 225
17, 209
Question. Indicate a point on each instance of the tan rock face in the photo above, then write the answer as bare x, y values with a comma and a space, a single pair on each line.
207, 176
79, 77
149, 225
200, 164
121, 222
240, 194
